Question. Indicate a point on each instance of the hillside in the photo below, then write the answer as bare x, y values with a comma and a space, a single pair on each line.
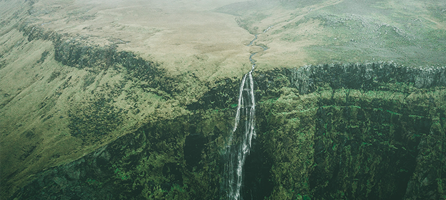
78, 76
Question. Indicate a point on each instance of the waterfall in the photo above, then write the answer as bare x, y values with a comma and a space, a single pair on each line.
239, 143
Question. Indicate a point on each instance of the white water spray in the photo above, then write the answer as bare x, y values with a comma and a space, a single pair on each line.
239, 144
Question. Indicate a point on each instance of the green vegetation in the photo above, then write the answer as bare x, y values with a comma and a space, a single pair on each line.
334, 131
336, 140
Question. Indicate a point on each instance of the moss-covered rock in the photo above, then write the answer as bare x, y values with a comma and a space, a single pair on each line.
360, 131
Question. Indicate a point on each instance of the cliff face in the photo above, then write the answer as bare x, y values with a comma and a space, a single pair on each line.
107, 101
374, 131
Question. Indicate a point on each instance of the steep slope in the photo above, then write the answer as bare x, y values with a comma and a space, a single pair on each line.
80, 78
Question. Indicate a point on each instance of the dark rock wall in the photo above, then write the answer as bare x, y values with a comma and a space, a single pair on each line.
355, 131
374, 131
